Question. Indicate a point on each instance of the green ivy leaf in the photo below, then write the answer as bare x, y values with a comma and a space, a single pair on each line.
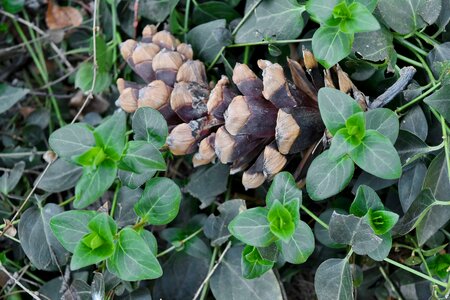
281, 222
10, 95
96, 245
383, 249
252, 227
327, 177
299, 246
110, 135
381, 221
377, 156
85, 77
72, 140
160, 201
366, 199
280, 20
213, 10
356, 125
360, 20
354, 231
61, 176
335, 108
94, 183
93, 157
149, 125
342, 144
257, 261
440, 101
156, 10
135, 180
383, 120
333, 280
141, 157
283, 189
330, 45
69, 227
321, 10
132, 259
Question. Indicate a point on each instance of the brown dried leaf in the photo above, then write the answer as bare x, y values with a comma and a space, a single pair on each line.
58, 17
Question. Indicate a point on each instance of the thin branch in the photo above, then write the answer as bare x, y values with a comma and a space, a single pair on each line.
31, 293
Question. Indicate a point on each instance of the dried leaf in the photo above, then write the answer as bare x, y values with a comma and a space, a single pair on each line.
58, 17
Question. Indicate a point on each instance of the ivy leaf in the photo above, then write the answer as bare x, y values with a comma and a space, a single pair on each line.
257, 261
69, 227
226, 280
110, 135
279, 20
135, 180
149, 125
252, 227
360, 20
61, 176
383, 120
160, 201
381, 221
132, 259
366, 199
327, 177
283, 189
407, 16
415, 122
410, 184
37, 239
85, 77
10, 95
281, 222
377, 156
213, 10
354, 231
330, 45
208, 39
216, 227
156, 10
409, 147
376, 47
71, 140
437, 178
342, 144
94, 183
383, 249
440, 101
141, 157
9, 180
96, 245
333, 280
335, 108
299, 246
321, 10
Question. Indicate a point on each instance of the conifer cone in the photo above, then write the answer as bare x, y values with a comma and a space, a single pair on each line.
254, 124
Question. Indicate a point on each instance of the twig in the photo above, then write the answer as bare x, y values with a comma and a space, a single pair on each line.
31, 293
406, 74
212, 271
41, 32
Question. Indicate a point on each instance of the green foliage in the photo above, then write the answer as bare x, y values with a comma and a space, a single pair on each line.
339, 21
261, 228
10, 95
353, 142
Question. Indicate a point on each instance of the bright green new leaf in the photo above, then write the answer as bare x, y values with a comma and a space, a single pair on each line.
69, 227
366, 198
97, 245
356, 126
257, 261
133, 259
149, 125
342, 144
283, 189
330, 45
252, 227
110, 135
94, 183
160, 201
327, 177
140, 157
281, 222
381, 221
299, 246
360, 19
335, 108
376, 155
93, 157
72, 140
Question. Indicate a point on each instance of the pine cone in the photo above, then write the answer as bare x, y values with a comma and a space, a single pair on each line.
255, 126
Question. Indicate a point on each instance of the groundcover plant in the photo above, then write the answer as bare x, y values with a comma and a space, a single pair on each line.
196, 149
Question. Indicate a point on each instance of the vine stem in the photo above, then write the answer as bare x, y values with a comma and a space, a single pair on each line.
246, 16
170, 249
446, 145
418, 98
211, 266
210, 273
388, 260
186, 19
